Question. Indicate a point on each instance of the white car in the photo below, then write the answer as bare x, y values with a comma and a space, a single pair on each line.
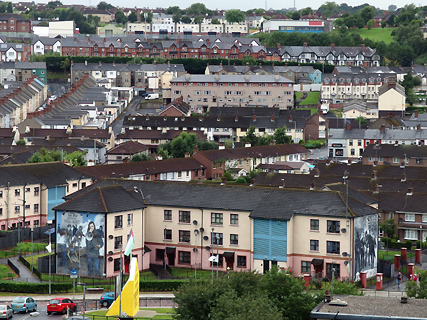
54, 97
6, 312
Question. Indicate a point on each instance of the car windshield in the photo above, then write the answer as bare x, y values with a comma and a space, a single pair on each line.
18, 300
2, 307
54, 301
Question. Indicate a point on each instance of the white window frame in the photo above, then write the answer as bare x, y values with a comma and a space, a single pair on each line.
410, 217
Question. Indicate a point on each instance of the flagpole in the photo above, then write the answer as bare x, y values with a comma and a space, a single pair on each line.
50, 261
120, 280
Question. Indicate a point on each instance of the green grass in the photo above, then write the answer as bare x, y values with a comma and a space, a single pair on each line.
382, 255
164, 313
23, 248
57, 75
6, 272
298, 95
312, 98
375, 34
189, 273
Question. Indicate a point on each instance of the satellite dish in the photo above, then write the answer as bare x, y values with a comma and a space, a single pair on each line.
206, 238
344, 254
195, 222
208, 248
343, 230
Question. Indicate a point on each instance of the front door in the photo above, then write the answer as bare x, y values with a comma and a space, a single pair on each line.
171, 258
230, 263
266, 265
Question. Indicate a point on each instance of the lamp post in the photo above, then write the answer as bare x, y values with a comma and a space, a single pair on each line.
164, 236
32, 241
196, 232
217, 254
212, 243
19, 236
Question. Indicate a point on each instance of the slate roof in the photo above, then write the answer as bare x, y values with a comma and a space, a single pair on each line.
128, 148
124, 170
323, 51
50, 174
282, 203
104, 200
232, 78
376, 134
390, 150
157, 134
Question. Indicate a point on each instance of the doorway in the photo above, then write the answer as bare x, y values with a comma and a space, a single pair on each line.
266, 266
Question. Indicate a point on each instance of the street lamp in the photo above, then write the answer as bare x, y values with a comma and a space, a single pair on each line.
196, 232
217, 255
212, 251
164, 256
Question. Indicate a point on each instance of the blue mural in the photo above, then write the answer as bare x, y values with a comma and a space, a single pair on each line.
80, 240
270, 240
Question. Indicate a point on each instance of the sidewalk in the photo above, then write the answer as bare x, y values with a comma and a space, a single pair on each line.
25, 275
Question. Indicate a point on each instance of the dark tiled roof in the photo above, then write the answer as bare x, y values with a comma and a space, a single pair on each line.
282, 203
124, 170
104, 200
50, 174
158, 134
12, 149
400, 201
389, 150
128, 148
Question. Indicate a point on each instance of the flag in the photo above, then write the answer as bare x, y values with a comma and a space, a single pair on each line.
49, 248
68, 312
129, 244
83, 311
213, 259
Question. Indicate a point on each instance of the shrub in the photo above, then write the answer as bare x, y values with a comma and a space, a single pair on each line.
161, 285
18, 287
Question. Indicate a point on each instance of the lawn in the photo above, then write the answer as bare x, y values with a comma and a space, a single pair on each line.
375, 34
298, 95
382, 254
23, 247
312, 98
189, 273
6, 272
163, 314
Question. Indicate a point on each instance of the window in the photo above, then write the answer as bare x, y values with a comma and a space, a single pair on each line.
333, 226
117, 266
36, 207
130, 219
36, 191
305, 267
216, 238
314, 224
118, 222
396, 159
167, 215
167, 234
424, 217
1, 211
314, 245
336, 268
359, 142
184, 236
352, 152
410, 217
333, 247
184, 257
160, 254
234, 218
419, 161
350, 142
17, 209
27, 189
17, 192
216, 218
234, 239
241, 261
118, 242
1, 194
219, 261
184, 216
411, 234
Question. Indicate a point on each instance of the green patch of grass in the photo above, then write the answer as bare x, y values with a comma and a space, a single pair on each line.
6, 273
298, 95
312, 98
23, 248
57, 75
189, 273
375, 34
312, 110
383, 255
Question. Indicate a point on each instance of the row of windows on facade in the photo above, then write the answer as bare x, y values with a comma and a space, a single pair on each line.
306, 268
395, 160
332, 226
27, 207
214, 99
356, 80
235, 84
216, 218
18, 191
185, 236
341, 89
331, 246
27, 224
236, 93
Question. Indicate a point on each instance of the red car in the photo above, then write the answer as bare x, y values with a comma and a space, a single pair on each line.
61, 305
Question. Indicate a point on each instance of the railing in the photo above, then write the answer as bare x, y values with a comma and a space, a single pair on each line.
13, 267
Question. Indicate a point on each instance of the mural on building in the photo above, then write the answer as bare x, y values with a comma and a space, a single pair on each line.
80, 242
365, 246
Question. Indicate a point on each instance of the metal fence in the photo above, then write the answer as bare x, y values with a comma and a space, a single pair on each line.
9, 239
13, 267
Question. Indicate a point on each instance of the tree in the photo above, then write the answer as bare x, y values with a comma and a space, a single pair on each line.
390, 20
215, 21
392, 7
388, 227
227, 176
306, 11
132, 17
367, 13
235, 16
9, 7
370, 24
280, 136
199, 19
186, 19
413, 290
104, 6
383, 24
141, 157
173, 10
176, 18
20, 142
197, 9
250, 137
204, 145
296, 15
76, 159
120, 17
53, 4
259, 11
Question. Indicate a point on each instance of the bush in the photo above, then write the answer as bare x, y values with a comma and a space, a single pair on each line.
345, 288
161, 285
18, 287
409, 244
241, 180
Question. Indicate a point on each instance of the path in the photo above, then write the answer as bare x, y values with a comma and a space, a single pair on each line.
25, 275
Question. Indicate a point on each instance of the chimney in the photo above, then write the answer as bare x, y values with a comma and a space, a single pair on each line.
290, 118
265, 45
247, 145
416, 113
147, 117
403, 178
410, 190
218, 118
187, 154
195, 149
348, 126
236, 118
278, 45
333, 46
100, 63
182, 118
220, 64
418, 127
327, 297
105, 39
402, 164
317, 173
282, 183
165, 118
374, 175
272, 118
363, 47
252, 183
305, 44
72, 62
382, 129
377, 188
114, 63
88, 39
254, 119
86, 63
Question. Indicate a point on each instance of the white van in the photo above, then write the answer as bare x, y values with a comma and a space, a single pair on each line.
152, 96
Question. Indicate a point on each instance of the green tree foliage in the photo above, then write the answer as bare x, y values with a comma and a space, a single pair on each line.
259, 11
141, 157
53, 4
132, 17
173, 10
9, 7
280, 136
176, 18
198, 19
120, 17
186, 19
241, 180
367, 13
388, 227
390, 21
296, 15
185, 142
20, 142
415, 290
204, 145
215, 21
197, 9
235, 16
407, 14
306, 11
227, 176
76, 158
328, 9
370, 24
104, 6
345, 288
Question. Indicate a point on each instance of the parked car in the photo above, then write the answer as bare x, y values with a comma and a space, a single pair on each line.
61, 305
6, 312
145, 94
107, 299
24, 304
152, 96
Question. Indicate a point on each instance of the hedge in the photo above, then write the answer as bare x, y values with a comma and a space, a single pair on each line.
18, 287
161, 285
396, 245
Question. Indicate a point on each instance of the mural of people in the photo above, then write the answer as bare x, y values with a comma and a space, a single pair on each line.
93, 244
365, 245
80, 243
